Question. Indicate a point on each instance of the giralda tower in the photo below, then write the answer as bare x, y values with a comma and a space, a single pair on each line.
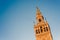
42, 28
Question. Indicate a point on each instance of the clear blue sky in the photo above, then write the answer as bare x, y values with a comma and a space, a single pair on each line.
16, 18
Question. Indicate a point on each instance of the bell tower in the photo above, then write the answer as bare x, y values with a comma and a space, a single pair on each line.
42, 28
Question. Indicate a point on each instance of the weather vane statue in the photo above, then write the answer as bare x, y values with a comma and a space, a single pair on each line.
42, 28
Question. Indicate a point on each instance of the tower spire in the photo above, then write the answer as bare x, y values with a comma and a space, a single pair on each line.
39, 15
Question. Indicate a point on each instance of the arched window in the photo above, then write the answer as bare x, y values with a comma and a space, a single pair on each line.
41, 29
39, 20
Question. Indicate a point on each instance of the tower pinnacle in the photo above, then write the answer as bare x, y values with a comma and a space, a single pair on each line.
39, 16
